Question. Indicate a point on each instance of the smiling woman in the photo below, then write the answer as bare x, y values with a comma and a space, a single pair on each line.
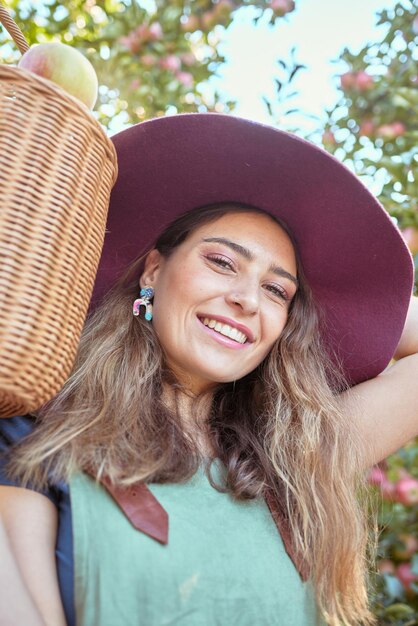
228, 272
201, 461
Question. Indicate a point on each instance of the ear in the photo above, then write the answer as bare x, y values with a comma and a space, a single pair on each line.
153, 263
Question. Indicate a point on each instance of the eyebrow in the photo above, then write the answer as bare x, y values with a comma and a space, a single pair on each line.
247, 254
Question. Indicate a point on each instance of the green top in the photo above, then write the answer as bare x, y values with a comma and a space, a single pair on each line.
224, 564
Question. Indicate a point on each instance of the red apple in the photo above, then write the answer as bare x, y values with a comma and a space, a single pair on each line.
377, 476
66, 67
281, 7
398, 128
363, 81
170, 62
406, 576
410, 235
185, 78
347, 80
391, 131
386, 566
367, 128
406, 491
155, 31
387, 489
328, 138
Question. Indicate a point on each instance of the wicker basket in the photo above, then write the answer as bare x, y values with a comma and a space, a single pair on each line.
57, 168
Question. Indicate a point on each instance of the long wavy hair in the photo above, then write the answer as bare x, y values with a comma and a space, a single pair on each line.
278, 430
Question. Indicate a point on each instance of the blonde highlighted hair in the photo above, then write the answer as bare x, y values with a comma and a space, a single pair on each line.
279, 430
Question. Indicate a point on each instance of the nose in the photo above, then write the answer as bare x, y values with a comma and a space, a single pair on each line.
245, 297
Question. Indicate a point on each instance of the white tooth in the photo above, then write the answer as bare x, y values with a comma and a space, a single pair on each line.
218, 326
224, 330
211, 323
234, 334
240, 337
206, 321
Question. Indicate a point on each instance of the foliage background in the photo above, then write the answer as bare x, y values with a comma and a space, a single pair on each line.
154, 58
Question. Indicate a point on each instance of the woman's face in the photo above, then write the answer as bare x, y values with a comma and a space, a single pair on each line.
222, 298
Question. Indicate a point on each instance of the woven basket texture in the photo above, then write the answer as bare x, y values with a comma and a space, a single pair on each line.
57, 168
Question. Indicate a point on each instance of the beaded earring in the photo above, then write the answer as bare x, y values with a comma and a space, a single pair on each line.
144, 299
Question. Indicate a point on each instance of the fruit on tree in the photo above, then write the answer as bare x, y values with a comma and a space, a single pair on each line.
406, 575
170, 62
281, 7
66, 67
356, 81
386, 566
410, 235
364, 81
391, 131
406, 491
367, 128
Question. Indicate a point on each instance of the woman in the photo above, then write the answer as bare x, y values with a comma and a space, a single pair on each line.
204, 463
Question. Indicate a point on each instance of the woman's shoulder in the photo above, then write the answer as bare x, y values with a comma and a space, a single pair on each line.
13, 429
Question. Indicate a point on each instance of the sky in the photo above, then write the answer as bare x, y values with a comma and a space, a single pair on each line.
318, 29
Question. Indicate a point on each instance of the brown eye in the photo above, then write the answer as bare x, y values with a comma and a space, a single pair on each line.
221, 261
278, 291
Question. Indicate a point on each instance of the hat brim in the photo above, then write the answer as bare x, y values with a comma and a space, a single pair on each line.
354, 258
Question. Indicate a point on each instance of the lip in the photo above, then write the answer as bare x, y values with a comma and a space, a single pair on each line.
232, 323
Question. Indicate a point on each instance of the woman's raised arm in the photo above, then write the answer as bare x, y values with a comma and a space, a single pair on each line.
386, 407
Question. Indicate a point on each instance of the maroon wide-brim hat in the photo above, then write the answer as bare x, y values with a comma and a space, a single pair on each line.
354, 258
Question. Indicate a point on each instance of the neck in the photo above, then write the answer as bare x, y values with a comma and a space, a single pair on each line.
193, 411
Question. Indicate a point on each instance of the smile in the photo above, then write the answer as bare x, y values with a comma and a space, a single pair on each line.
225, 329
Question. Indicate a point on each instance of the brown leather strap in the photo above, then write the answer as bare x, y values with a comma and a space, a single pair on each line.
142, 509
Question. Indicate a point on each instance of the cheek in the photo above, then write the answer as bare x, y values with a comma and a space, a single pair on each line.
274, 324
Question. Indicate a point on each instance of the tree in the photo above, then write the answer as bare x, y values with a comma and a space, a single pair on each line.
374, 128
374, 125
151, 56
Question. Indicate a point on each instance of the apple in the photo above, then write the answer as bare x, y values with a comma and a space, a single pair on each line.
66, 67
406, 491
410, 234
347, 80
155, 31
386, 566
387, 489
328, 138
406, 576
391, 131
281, 7
363, 81
170, 62
377, 476
367, 128
185, 78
